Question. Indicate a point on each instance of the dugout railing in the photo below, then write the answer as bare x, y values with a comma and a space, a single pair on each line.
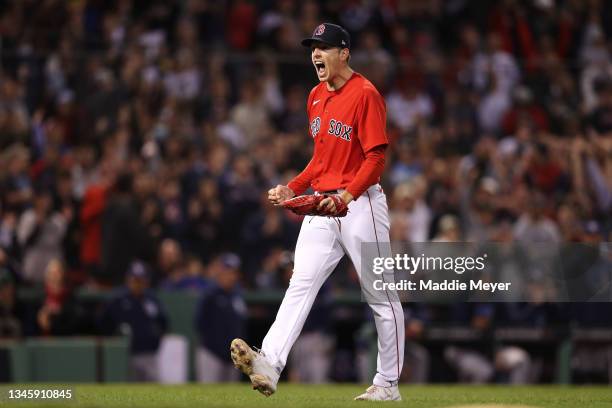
105, 359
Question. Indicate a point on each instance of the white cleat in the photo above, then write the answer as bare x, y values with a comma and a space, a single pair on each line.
378, 393
263, 376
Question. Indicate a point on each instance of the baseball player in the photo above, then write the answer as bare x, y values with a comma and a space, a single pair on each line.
347, 124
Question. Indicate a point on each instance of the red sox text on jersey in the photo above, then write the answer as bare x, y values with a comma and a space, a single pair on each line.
344, 125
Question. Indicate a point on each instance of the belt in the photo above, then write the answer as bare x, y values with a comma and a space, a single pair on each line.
330, 192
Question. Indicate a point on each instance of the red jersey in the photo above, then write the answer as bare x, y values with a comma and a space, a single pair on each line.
344, 124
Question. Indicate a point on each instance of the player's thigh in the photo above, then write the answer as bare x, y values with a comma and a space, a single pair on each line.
317, 251
367, 227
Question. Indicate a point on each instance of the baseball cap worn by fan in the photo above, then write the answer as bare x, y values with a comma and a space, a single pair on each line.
330, 34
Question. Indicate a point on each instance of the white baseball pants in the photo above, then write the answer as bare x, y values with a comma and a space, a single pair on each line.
321, 244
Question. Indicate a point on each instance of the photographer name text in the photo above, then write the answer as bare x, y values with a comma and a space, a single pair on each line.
452, 285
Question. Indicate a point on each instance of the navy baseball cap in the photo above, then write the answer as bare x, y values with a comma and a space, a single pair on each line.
138, 269
230, 260
330, 34
592, 227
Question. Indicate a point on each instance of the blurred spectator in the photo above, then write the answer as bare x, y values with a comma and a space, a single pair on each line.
92, 208
407, 165
195, 277
495, 68
134, 312
448, 229
524, 110
65, 200
293, 117
14, 114
180, 272
495, 73
16, 182
251, 114
169, 262
204, 223
86, 171
184, 82
60, 314
9, 247
275, 17
10, 324
40, 233
271, 275
600, 118
124, 237
240, 194
409, 106
221, 317
409, 211
591, 164
241, 21
264, 230
372, 60
535, 226
594, 80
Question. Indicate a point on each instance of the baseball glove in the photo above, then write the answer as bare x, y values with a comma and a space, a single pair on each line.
309, 205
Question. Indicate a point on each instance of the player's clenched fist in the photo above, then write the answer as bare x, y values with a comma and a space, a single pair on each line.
279, 194
330, 205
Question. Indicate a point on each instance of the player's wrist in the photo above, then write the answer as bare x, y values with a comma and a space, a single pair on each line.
293, 188
346, 197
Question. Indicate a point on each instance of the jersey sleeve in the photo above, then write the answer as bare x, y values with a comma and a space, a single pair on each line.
301, 182
370, 171
372, 120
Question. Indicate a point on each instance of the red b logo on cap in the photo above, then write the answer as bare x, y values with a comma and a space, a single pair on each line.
320, 30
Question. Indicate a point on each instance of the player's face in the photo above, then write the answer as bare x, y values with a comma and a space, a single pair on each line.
326, 60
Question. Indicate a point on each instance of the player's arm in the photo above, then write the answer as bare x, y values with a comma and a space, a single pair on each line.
369, 173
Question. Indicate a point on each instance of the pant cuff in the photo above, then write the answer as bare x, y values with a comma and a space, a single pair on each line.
382, 382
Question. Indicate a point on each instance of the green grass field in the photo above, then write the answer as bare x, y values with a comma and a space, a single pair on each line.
299, 396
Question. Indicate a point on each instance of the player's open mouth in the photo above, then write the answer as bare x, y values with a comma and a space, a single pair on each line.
320, 67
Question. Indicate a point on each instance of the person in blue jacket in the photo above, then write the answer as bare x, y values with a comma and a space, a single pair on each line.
220, 317
136, 313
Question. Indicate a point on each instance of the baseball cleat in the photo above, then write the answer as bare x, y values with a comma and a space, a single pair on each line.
377, 393
253, 363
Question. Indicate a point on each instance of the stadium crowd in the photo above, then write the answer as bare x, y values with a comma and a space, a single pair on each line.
151, 131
